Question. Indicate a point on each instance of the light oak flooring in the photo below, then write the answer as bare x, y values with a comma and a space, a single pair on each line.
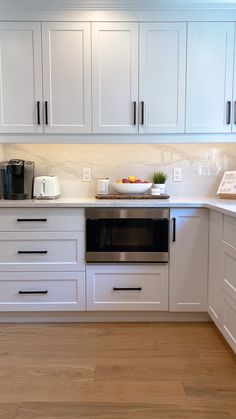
116, 371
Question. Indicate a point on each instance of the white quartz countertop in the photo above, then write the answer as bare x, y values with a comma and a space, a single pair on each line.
222, 205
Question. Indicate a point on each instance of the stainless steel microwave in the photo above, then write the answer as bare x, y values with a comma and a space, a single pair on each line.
119, 235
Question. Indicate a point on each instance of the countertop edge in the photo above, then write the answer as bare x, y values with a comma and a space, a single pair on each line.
224, 206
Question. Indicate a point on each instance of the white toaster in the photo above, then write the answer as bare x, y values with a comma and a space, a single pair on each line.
46, 187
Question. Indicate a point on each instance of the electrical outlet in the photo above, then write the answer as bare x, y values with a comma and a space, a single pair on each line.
177, 174
86, 174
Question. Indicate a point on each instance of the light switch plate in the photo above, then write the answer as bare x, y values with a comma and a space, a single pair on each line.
86, 174
177, 174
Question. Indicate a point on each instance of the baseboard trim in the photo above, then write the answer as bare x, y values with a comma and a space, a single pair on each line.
101, 317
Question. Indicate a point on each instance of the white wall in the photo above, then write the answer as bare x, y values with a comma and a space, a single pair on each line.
202, 164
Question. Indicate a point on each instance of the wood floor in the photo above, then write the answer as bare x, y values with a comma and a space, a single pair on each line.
114, 371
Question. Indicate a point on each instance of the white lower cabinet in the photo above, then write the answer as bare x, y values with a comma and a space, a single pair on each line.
229, 290
229, 320
222, 279
41, 219
215, 273
188, 259
39, 291
42, 251
127, 287
42, 262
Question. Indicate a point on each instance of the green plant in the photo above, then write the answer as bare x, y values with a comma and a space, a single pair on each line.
159, 177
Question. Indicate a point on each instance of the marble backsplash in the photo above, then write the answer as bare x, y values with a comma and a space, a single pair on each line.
202, 164
1, 152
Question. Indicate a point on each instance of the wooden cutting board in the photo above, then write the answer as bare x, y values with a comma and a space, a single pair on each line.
132, 196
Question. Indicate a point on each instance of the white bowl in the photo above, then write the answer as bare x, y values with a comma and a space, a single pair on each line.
128, 188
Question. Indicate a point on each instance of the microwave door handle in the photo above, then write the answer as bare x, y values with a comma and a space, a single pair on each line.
174, 229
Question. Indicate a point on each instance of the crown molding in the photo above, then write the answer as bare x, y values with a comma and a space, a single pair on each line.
96, 5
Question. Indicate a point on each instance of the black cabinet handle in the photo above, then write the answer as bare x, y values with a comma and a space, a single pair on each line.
235, 112
38, 113
174, 230
46, 112
32, 252
228, 112
127, 289
135, 113
20, 220
142, 113
33, 292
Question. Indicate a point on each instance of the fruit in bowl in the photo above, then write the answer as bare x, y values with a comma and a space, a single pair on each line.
131, 179
131, 185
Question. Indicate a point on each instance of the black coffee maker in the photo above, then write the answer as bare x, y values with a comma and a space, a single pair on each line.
17, 179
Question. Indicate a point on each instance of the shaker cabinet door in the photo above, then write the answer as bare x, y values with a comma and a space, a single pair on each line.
234, 92
216, 267
115, 77
67, 77
162, 77
188, 259
209, 77
20, 77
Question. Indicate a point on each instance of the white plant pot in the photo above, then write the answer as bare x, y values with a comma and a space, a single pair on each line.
160, 186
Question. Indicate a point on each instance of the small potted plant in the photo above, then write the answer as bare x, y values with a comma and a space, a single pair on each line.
159, 180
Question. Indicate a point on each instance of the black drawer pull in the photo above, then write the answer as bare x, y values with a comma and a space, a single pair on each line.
19, 220
127, 289
33, 252
33, 292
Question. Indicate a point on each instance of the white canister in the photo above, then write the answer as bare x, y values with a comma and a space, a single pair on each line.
155, 191
102, 186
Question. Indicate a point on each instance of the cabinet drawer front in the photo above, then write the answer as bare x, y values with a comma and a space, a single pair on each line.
46, 291
229, 266
229, 321
42, 219
127, 288
229, 230
42, 251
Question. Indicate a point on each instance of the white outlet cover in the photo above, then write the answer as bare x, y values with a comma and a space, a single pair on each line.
177, 174
86, 174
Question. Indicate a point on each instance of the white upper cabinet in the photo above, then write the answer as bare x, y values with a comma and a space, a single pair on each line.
20, 77
209, 77
115, 77
160, 105
162, 77
67, 77
233, 119
188, 259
